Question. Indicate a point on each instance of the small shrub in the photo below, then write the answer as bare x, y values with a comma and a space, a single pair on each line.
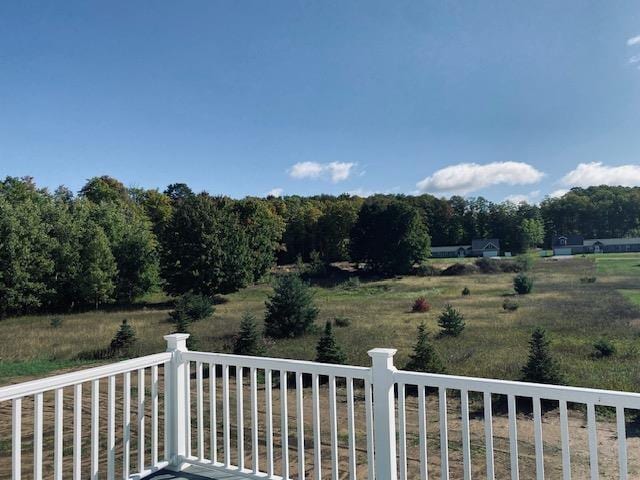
124, 339
248, 341
182, 324
541, 366
352, 283
466, 292
290, 309
459, 269
342, 321
522, 284
588, 280
604, 348
451, 321
328, 350
424, 358
55, 322
487, 265
420, 305
509, 266
192, 306
427, 270
510, 305
524, 262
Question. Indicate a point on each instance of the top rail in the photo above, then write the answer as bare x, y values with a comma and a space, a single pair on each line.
522, 389
25, 389
297, 366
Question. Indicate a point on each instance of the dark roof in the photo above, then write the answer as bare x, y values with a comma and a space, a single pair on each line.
483, 243
571, 240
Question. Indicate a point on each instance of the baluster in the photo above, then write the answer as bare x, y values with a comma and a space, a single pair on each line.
126, 424
315, 412
593, 441
444, 434
284, 424
95, 425
240, 417
368, 405
225, 416
402, 431
300, 425
254, 420
513, 437
622, 443
154, 415
165, 380
37, 436
77, 432
16, 436
200, 410
537, 428
422, 427
466, 442
213, 400
141, 404
111, 427
351, 430
488, 435
333, 421
269, 420
58, 433
188, 407
564, 434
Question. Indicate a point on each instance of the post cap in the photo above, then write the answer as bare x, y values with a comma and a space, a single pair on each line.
177, 341
382, 352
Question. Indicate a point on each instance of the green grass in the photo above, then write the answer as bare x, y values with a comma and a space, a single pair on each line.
494, 344
35, 367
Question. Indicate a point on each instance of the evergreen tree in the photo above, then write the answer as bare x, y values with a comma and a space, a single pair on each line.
248, 340
522, 284
328, 350
182, 325
451, 321
193, 307
124, 339
541, 366
425, 358
290, 309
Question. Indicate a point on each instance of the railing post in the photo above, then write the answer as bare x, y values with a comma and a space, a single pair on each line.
176, 401
384, 413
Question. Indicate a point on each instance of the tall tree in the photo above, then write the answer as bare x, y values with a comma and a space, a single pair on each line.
98, 267
389, 237
204, 248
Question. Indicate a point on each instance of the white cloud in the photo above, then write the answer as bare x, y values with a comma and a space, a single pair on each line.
595, 173
558, 193
518, 198
634, 40
336, 171
464, 178
275, 192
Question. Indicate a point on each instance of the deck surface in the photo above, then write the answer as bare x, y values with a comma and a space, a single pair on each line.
193, 473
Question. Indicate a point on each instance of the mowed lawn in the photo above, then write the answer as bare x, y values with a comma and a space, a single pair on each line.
494, 343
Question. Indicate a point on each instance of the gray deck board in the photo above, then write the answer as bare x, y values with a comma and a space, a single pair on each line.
193, 473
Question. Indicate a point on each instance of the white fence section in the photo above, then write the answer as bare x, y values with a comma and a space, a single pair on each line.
285, 419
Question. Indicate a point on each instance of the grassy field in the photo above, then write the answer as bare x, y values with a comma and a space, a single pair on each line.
494, 343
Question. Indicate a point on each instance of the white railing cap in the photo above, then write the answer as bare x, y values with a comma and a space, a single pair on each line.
177, 341
382, 352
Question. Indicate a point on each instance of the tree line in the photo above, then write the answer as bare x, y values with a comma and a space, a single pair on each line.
62, 251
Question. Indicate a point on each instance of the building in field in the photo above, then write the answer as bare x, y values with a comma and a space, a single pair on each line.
576, 244
484, 247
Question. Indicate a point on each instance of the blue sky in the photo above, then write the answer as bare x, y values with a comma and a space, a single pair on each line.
493, 98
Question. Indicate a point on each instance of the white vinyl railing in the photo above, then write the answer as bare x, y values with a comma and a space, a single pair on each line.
256, 417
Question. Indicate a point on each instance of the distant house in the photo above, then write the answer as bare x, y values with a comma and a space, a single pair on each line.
576, 244
485, 247
489, 247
